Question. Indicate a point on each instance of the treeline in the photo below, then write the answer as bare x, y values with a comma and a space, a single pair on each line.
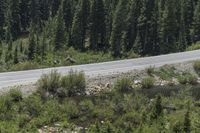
145, 27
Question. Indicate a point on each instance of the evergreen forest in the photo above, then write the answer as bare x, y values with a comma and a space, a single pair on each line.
43, 33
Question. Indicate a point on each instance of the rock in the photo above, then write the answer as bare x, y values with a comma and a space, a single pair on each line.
40, 131
70, 59
52, 130
170, 107
97, 88
55, 62
107, 86
57, 125
137, 82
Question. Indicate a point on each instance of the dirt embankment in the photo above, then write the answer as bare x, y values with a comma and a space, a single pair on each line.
101, 83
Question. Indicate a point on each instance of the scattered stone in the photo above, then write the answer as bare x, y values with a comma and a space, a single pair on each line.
40, 131
136, 82
57, 125
108, 86
70, 59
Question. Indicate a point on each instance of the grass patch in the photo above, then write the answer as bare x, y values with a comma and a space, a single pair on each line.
122, 111
166, 72
148, 83
74, 83
197, 67
195, 46
187, 78
55, 85
150, 71
123, 85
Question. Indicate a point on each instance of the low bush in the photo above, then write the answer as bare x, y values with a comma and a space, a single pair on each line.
71, 109
86, 106
49, 84
150, 71
195, 46
148, 83
123, 85
32, 105
54, 85
187, 79
6, 105
74, 83
166, 72
16, 95
197, 67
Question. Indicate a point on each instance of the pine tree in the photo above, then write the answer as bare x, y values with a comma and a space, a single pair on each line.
1, 50
8, 32
10, 46
67, 14
80, 25
35, 14
196, 23
182, 31
43, 47
24, 14
55, 4
118, 28
32, 44
154, 29
98, 26
13, 26
168, 33
1, 18
142, 25
16, 56
189, 13
131, 29
44, 10
59, 39
15, 16
137, 47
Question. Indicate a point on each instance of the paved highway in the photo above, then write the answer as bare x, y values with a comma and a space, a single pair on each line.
25, 77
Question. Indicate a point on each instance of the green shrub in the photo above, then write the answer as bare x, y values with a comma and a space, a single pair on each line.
148, 82
70, 109
132, 117
187, 79
192, 79
123, 85
74, 83
16, 95
51, 112
195, 46
197, 67
166, 72
182, 79
8, 127
32, 105
25, 66
5, 107
86, 106
150, 71
49, 84
103, 112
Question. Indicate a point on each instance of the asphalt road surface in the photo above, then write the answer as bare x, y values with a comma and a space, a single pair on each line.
107, 68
